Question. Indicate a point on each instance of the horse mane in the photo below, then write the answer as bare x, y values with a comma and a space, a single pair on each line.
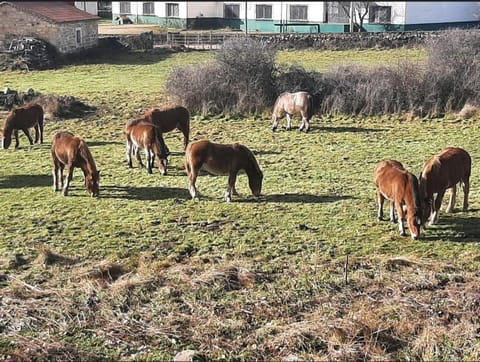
432, 164
416, 192
87, 155
251, 156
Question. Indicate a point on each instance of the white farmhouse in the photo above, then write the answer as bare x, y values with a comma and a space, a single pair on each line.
296, 16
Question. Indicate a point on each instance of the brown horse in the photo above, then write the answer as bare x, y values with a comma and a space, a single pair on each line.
290, 104
23, 118
142, 135
219, 159
396, 184
72, 151
451, 166
168, 119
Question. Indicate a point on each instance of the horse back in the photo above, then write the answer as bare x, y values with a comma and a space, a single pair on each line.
215, 158
392, 180
450, 166
65, 148
168, 119
25, 117
143, 134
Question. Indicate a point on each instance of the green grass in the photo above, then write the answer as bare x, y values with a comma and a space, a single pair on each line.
156, 272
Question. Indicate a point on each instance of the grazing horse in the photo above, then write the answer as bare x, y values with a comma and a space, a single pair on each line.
396, 184
451, 166
219, 159
168, 119
290, 104
23, 118
72, 151
143, 135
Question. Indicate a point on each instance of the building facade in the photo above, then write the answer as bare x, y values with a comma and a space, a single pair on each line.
295, 16
65, 27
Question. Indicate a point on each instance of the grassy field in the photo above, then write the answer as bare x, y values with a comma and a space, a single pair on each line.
144, 272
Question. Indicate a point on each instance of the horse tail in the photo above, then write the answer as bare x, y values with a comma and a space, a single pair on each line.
186, 132
310, 107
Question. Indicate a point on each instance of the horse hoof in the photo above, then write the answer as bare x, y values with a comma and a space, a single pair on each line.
274, 129
403, 234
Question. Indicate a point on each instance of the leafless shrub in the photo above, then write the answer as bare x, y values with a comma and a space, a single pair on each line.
452, 76
240, 80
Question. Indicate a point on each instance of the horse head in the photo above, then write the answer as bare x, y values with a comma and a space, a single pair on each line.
255, 183
92, 182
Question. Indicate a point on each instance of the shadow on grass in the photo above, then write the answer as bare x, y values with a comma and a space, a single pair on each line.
104, 143
347, 129
461, 229
143, 193
303, 198
20, 181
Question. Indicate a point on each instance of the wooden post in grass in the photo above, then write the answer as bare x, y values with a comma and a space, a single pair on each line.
345, 271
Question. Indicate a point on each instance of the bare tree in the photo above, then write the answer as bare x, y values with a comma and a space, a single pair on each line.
357, 8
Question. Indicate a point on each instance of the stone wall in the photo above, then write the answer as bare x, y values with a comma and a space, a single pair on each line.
17, 24
343, 41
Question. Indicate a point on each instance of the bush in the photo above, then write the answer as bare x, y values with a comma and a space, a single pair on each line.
452, 78
240, 80
244, 79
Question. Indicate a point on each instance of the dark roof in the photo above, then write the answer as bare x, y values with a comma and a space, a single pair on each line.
56, 11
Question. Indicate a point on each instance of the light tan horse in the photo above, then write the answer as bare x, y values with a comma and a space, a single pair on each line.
220, 159
396, 184
71, 151
290, 104
451, 166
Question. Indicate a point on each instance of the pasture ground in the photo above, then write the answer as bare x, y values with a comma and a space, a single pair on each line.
144, 272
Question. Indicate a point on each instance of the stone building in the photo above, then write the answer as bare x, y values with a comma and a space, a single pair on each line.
60, 23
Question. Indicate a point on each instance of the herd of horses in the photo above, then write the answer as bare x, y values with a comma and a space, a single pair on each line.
413, 198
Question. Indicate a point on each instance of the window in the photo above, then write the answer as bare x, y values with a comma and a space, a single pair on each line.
380, 14
125, 7
172, 10
338, 12
148, 8
298, 12
78, 36
231, 11
264, 12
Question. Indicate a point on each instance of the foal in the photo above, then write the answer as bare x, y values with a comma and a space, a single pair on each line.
23, 118
396, 184
451, 166
72, 151
219, 159
142, 135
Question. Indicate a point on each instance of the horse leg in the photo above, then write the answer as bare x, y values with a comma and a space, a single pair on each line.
128, 152
192, 178
37, 133
27, 133
392, 212
306, 123
289, 122
232, 178
148, 156
55, 170
380, 201
275, 123
401, 217
451, 202
67, 180
40, 130
466, 189
436, 208
139, 158
15, 133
